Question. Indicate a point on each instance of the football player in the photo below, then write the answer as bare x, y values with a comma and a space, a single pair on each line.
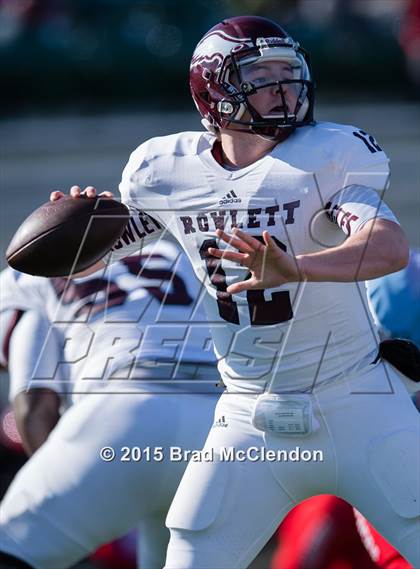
395, 301
31, 343
130, 347
281, 217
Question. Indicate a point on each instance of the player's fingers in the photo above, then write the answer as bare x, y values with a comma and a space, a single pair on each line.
271, 246
106, 194
251, 241
89, 191
229, 255
234, 241
250, 284
268, 240
75, 191
56, 195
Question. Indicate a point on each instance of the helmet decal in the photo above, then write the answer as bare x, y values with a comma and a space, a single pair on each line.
222, 94
217, 45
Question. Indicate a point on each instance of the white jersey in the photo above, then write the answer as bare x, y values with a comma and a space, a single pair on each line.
141, 310
292, 336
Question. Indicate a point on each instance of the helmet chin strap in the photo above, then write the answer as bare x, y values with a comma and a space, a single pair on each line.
279, 136
303, 110
208, 126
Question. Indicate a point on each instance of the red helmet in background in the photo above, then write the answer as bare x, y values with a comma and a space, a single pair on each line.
220, 90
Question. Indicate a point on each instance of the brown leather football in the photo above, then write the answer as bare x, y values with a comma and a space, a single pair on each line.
67, 236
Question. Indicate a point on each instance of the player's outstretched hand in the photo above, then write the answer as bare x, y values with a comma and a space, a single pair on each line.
269, 265
76, 192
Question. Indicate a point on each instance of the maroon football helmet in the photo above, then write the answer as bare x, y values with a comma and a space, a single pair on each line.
219, 75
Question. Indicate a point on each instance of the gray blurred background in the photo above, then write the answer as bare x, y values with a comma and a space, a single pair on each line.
85, 81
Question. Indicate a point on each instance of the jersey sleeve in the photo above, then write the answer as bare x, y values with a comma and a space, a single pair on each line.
141, 230
19, 291
145, 224
34, 354
354, 206
353, 186
9, 318
16, 298
361, 161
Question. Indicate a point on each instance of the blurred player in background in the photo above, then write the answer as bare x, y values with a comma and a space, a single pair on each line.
32, 348
130, 349
29, 343
395, 301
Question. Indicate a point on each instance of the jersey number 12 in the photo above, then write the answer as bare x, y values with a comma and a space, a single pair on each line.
261, 311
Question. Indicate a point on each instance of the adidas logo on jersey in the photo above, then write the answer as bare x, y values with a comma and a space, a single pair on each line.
220, 422
231, 197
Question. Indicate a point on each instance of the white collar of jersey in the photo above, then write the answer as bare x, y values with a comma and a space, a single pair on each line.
204, 152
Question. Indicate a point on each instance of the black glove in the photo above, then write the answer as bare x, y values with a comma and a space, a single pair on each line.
403, 355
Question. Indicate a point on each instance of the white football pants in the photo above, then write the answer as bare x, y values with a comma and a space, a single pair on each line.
225, 510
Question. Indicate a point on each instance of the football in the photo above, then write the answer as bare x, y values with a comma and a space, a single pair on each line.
66, 236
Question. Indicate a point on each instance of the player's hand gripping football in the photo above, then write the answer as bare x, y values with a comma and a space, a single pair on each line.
76, 192
89, 192
269, 265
